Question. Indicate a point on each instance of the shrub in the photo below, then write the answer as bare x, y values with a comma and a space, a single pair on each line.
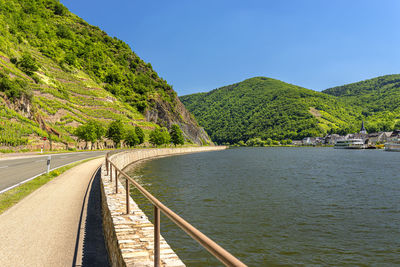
28, 64
64, 32
13, 89
70, 59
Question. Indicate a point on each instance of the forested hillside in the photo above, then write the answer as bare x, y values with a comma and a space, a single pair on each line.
378, 98
267, 108
57, 72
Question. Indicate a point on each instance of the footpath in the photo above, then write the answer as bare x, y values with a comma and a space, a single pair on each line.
42, 229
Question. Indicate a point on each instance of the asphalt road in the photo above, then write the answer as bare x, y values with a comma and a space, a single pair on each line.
14, 171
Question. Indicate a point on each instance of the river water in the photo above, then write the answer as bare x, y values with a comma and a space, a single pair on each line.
281, 206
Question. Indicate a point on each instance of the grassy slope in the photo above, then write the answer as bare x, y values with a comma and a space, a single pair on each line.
83, 74
268, 108
378, 98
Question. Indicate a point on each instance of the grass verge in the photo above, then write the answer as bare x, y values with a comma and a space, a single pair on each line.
13, 196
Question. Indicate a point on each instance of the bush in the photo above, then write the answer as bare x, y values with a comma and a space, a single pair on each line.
13, 89
70, 59
64, 32
28, 64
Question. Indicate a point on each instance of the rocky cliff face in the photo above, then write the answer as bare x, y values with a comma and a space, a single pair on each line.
164, 114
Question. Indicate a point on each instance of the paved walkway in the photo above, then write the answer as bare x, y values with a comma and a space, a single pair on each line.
42, 229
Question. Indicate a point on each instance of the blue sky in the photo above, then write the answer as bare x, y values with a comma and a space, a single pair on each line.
198, 46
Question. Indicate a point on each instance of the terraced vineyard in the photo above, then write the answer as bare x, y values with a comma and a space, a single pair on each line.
57, 72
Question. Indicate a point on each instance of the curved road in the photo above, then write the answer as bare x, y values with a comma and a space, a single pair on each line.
17, 170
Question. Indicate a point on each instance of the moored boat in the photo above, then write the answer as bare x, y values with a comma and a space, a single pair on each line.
393, 146
350, 144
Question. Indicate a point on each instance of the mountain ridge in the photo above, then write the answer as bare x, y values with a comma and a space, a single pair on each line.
267, 108
338, 109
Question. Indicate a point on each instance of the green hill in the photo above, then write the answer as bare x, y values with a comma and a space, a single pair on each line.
57, 71
268, 108
378, 98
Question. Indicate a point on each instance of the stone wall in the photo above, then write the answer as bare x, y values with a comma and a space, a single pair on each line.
129, 237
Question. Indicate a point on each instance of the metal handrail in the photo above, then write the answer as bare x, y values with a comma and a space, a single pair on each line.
217, 251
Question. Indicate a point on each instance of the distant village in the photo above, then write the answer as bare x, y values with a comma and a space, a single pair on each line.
370, 139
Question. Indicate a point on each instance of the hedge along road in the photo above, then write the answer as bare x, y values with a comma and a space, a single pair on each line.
16, 171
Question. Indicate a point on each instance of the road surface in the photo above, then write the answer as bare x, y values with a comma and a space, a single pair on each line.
14, 171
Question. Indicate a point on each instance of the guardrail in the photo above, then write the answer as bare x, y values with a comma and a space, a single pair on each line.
217, 251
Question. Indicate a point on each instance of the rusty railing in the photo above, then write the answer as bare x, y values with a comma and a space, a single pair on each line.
217, 251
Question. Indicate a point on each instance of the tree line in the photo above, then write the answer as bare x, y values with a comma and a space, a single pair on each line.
93, 131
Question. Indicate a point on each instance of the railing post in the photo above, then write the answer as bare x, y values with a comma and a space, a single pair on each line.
110, 172
127, 196
157, 259
116, 180
107, 164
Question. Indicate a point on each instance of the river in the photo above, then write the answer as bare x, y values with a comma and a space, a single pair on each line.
281, 206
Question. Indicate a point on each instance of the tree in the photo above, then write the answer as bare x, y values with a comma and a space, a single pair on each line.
396, 126
115, 132
131, 139
91, 131
59, 9
156, 137
159, 136
166, 138
86, 133
140, 134
99, 130
176, 135
241, 143
268, 141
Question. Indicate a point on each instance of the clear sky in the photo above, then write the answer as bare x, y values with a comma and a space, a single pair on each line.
200, 45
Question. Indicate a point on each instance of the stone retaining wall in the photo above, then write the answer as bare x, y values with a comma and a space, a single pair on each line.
129, 237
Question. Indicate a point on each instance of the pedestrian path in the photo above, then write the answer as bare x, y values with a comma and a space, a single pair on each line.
42, 229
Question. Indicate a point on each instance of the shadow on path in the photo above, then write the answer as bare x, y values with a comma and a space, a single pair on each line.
94, 248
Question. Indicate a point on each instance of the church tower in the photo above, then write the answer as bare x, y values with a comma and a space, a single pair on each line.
363, 131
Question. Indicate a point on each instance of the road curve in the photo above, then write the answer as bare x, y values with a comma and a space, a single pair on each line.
14, 171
